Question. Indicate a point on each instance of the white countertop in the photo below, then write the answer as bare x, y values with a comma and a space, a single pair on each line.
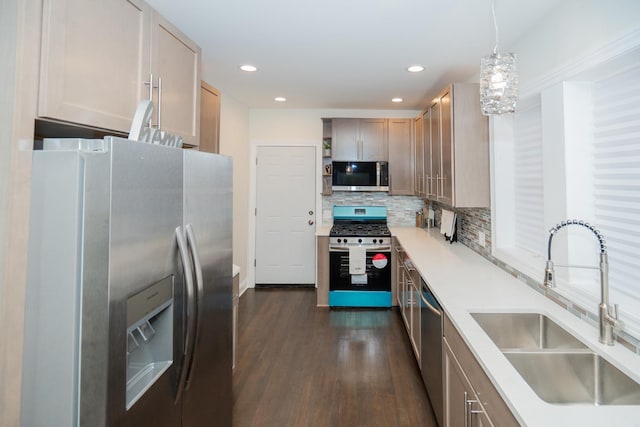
323, 230
464, 282
236, 270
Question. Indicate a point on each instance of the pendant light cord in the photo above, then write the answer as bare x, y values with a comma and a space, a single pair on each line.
495, 24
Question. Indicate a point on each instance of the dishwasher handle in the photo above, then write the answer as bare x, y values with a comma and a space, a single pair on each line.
429, 306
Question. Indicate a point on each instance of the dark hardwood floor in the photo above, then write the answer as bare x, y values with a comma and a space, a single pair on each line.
299, 365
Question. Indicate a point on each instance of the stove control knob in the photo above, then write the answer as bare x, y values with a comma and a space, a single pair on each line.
375, 241
339, 240
359, 240
345, 240
381, 241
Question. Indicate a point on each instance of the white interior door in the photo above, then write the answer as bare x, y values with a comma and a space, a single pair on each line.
285, 215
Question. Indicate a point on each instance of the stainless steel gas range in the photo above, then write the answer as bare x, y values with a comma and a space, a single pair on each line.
360, 257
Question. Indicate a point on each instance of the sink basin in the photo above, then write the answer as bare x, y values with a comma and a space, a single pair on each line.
557, 366
526, 331
579, 377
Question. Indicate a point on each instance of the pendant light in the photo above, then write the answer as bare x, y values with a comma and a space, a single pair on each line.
498, 79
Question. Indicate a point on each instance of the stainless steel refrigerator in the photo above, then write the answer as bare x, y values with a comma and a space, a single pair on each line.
128, 311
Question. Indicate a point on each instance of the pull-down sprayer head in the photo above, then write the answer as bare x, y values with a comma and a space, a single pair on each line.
549, 273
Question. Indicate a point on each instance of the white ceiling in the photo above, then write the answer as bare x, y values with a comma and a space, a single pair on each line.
346, 53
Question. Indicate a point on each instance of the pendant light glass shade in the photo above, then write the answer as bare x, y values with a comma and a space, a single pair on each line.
498, 84
498, 79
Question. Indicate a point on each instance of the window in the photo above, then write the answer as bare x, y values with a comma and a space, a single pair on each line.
573, 151
528, 197
616, 171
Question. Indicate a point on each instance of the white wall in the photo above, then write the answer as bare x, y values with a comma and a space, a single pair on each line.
296, 127
576, 29
234, 142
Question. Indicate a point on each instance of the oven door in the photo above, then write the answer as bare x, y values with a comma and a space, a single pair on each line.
377, 277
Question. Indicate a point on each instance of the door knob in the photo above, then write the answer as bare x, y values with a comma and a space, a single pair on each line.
310, 212
310, 222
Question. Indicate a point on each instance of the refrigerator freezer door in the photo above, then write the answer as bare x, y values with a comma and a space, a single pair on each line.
146, 208
54, 296
208, 211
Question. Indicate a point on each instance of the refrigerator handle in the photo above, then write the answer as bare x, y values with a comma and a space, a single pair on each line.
191, 318
199, 293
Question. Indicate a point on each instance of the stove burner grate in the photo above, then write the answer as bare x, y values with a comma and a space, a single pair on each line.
360, 229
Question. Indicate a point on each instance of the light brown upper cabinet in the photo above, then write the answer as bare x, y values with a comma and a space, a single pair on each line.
401, 157
359, 139
419, 177
96, 62
175, 65
209, 118
459, 174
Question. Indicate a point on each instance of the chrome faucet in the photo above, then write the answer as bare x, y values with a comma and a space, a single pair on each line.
609, 319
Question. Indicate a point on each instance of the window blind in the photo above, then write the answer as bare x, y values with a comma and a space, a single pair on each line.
617, 175
528, 179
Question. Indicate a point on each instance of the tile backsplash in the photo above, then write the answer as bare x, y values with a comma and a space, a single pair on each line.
473, 220
401, 210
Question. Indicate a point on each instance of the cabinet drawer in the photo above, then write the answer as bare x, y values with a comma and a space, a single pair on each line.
484, 388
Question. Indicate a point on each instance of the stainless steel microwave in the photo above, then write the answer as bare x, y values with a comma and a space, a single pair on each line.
360, 176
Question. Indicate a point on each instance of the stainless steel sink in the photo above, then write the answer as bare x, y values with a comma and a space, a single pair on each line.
525, 331
557, 366
581, 377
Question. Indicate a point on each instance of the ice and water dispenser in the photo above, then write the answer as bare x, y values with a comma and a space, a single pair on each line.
149, 337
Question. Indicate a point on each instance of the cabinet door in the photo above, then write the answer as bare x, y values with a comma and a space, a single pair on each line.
462, 408
209, 118
396, 258
94, 61
176, 61
419, 178
406, 298
401, 157
345, 139
435, 158
373, 140
322, 271
426, 154
446, 150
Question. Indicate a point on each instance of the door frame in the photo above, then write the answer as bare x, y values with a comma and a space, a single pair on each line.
253, 197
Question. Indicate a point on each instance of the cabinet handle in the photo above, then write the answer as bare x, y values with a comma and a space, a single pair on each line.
466, 410
159, 102
150, 83
469, 411
151, 88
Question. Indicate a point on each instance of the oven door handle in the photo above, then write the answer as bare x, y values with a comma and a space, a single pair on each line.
368, 248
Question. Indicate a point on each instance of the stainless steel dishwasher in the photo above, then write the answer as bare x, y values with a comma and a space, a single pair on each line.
431, 349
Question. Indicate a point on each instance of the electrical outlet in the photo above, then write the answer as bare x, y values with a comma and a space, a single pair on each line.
481, 240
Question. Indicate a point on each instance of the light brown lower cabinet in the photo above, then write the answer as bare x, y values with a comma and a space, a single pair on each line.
470, 399
322, 271
462, 407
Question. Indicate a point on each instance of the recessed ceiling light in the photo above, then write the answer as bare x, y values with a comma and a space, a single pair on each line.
397, 100
248, 68
280, 98
415, 68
